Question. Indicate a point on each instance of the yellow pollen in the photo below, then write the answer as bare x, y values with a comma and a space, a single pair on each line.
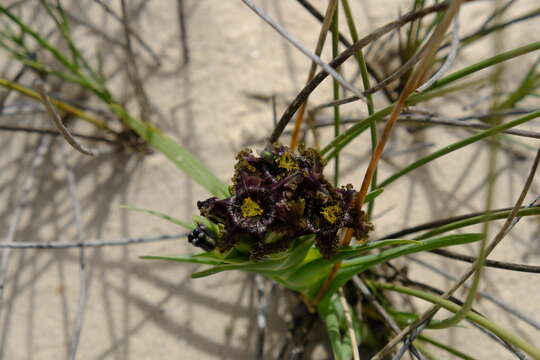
251, 208
287, 162
331, 213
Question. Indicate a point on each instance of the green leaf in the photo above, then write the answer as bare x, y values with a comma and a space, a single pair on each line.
314, 270
296, 255
161, 215
58, 54
276, 264
333, 316
460, 144
477, 220
445, 347
201, 220
220, 268
184, 259
373, 194
175, 152
356, 250
351, 267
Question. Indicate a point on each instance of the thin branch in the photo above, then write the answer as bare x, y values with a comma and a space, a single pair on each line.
262, 314
494, 263
309, 88
489, 263
440, 120
485, 31
395, 75
498, 11
408, 342
54, 133
183, 31
79, 318
57, 123
132, 67
283, 32
441, 222
313, 11
27, 187
406, 67
517, 352
135, 35
329, 15
53, 245
534, 203
388, 319
510, 338
449, 59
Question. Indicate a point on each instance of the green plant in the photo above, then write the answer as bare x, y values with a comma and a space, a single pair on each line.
307, 259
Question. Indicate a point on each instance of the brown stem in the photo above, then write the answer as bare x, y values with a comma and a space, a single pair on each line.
414, 81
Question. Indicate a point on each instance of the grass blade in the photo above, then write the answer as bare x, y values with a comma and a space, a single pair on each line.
458, 145
183, 259
160, 215
474, 317
351, 267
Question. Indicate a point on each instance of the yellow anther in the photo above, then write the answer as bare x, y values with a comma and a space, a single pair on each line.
251, 208
331, 213
287, 161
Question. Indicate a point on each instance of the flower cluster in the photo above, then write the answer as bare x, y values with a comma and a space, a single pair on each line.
279, 196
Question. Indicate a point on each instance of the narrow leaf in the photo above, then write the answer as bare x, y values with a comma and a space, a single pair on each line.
160, 215
185, 259
315, 270
334, 319
351, 267
373, 194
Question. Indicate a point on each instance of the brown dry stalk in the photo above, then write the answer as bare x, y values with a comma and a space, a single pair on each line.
419, 74
297, 125
57, 123
332, 4
414, 81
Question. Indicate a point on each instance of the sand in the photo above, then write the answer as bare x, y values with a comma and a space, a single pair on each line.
141, 309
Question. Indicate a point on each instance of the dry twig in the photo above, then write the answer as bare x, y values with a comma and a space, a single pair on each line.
57, 123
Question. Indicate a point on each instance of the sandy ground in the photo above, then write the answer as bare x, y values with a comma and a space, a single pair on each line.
139, 309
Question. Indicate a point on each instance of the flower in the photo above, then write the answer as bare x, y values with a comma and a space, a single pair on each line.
279, 196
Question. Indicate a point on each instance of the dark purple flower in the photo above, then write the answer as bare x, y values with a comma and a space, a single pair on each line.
279, 196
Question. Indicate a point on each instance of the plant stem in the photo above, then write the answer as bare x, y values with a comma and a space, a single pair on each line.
369, 97
474, 317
